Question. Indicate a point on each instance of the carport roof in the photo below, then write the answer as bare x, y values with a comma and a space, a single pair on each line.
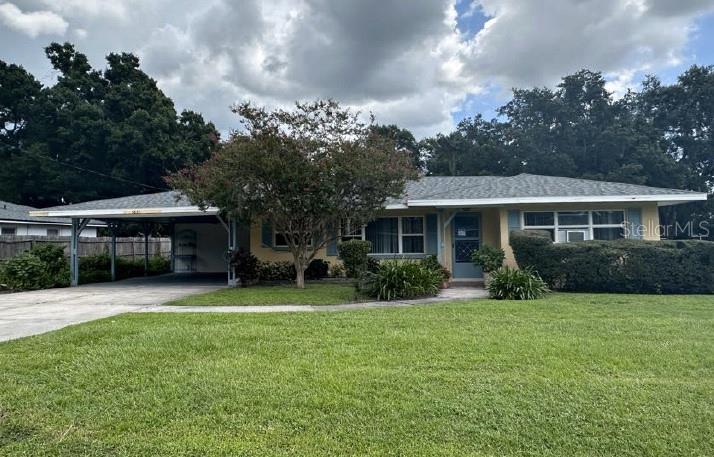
163, 204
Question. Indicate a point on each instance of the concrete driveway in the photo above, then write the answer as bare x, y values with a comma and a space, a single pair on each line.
30, 313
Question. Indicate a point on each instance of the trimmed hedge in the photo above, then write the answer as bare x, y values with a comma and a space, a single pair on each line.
624, 266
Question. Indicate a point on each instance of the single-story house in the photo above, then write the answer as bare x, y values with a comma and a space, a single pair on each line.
448, 217
15, 220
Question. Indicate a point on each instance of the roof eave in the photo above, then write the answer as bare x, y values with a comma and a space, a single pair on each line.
120, 213
661, 200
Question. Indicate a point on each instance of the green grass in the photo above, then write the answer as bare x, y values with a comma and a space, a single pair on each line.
287, 294
571, 375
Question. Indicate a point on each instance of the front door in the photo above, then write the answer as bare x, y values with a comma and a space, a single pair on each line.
466, 239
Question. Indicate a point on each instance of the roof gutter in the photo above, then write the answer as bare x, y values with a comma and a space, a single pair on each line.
179, 211
662, 200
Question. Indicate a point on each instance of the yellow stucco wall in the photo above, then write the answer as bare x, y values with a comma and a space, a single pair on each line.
494, 228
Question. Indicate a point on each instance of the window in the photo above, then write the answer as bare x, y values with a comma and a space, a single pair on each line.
52, 232
383, 233
539, 218
279, 240
8, 231
413, 235
396, 235
351, 233
567, 226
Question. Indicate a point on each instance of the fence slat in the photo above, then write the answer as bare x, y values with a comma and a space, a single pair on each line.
127, 247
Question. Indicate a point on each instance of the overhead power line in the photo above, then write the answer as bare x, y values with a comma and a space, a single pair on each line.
99, 173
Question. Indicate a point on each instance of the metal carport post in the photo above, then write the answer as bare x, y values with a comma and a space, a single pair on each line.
77, 226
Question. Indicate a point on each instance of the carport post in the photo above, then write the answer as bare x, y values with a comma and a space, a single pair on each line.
172, 231
77, 226
147, 227
113, 228
232, 232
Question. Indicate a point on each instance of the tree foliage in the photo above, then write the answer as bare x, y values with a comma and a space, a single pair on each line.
94, 134
660, 136
303, 171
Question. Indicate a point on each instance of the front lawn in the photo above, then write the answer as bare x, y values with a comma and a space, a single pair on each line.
285, 294
571, 375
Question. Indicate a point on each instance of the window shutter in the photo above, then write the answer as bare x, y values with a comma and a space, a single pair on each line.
331, 247
431, 234
634, 223
514, 220
266, 234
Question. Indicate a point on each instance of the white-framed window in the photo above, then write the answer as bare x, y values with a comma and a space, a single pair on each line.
349, 232
397, 235
10, 231
569, 226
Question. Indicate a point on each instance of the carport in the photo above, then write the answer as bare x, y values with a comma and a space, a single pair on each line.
199, 230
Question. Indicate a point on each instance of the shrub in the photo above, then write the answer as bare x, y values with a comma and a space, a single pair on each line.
513, 284
354, 256
432, 263
276, 271
317, 269
97, 268
337, 271
372, 264
489, 258
625, 266
400, 280
56, 264
25, 272
246, 266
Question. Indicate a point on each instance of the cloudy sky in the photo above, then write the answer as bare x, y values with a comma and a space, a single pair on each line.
423, 64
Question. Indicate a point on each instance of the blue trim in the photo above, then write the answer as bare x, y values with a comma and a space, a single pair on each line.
514, 220
266, 235
432, 247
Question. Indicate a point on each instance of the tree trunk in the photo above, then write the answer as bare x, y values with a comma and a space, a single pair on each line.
300, 278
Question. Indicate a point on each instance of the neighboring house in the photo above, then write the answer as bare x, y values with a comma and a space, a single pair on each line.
15, 220
448, 217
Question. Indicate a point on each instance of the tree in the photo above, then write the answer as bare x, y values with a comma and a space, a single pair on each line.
303, 171
94, 134
404, 140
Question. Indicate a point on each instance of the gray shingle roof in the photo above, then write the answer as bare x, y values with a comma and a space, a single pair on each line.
432, 188
12, 212
170, 199
523, 186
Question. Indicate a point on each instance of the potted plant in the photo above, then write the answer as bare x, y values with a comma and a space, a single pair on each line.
489, 258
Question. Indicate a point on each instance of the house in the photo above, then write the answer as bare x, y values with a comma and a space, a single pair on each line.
448, 217
15, 220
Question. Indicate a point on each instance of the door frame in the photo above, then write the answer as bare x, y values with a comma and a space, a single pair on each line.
477, 273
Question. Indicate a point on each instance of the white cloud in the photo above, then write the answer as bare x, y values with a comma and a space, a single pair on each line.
535, 43
405, 61
32, 23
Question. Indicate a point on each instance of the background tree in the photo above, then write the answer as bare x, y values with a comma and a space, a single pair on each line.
303, 171
94, 134
405, 141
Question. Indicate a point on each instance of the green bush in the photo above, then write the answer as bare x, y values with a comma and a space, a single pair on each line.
25, 272
432, 263
400, 280
246, 266
513, 284
489, 258
623, 266
276, 271
317, 269
372, 264
97, 268
354, 255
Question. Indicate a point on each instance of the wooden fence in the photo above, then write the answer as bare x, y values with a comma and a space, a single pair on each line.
127, 247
